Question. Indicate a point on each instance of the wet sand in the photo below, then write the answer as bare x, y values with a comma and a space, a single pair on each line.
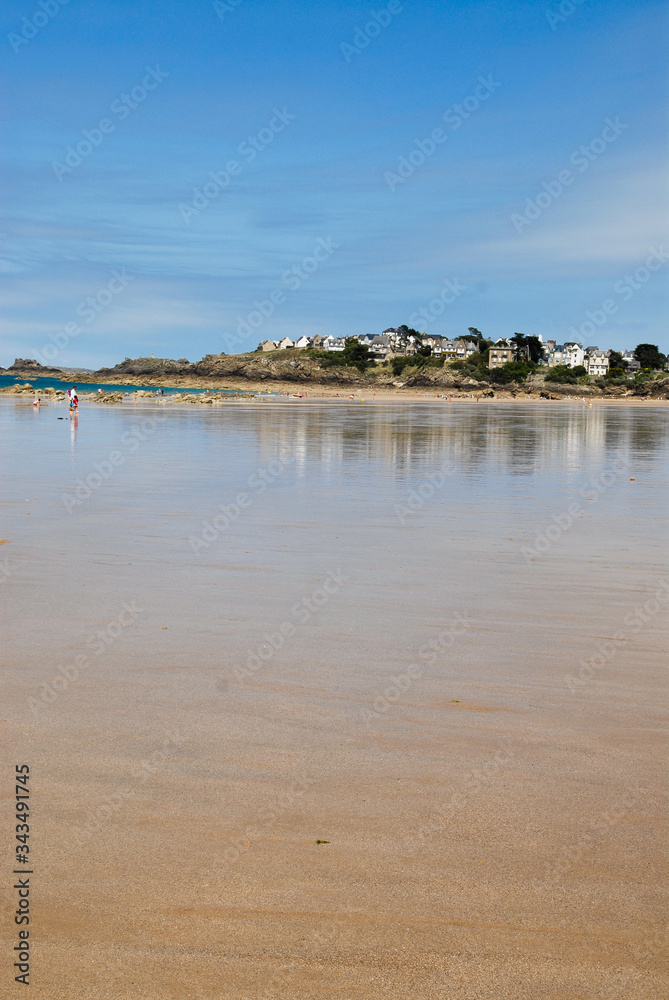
381, 643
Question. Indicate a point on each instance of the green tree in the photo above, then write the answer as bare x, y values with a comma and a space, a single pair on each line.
535, 349
519, 346
565, 374
648, 356
399, 363
527, 348
512, 371
616, 360
357, 355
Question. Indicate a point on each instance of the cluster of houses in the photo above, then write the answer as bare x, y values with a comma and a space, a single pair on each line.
390, 343
393, 342
595, 362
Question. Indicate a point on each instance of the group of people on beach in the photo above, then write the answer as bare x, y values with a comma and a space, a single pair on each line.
74, 401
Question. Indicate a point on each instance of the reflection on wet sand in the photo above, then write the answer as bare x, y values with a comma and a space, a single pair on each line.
407, 437
441, 775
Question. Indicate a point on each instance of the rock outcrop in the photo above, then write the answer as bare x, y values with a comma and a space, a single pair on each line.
217, 368
30, 367
292, 369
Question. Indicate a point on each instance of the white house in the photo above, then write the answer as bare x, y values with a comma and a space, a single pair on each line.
286, 342
400, 344
436, 343
465, 348
379, 345
574, 355
449, 348
597, 363
632, 363
303, 342
570, 355
333, 344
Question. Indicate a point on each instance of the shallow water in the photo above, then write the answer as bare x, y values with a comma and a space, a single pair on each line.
387, 640
56, 382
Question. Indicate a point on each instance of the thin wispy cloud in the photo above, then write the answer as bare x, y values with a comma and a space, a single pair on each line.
324, 174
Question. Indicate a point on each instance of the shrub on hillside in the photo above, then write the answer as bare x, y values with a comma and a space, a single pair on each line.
565, 374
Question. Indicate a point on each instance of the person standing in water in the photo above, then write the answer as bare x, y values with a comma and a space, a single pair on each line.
72, 393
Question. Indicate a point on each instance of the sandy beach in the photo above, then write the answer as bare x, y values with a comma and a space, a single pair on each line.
339, 701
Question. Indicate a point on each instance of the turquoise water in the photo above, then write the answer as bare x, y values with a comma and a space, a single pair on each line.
42, 383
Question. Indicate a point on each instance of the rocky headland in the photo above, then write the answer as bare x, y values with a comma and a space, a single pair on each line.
299, 370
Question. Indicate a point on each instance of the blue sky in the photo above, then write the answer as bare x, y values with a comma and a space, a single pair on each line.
118, 226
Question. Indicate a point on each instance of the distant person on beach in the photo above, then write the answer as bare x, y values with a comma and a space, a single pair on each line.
72, 393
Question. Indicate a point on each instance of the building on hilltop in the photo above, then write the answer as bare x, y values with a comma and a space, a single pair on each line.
436, 343
333, 344
597, 362
498, 355
569, 354
632, 363
574, 354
